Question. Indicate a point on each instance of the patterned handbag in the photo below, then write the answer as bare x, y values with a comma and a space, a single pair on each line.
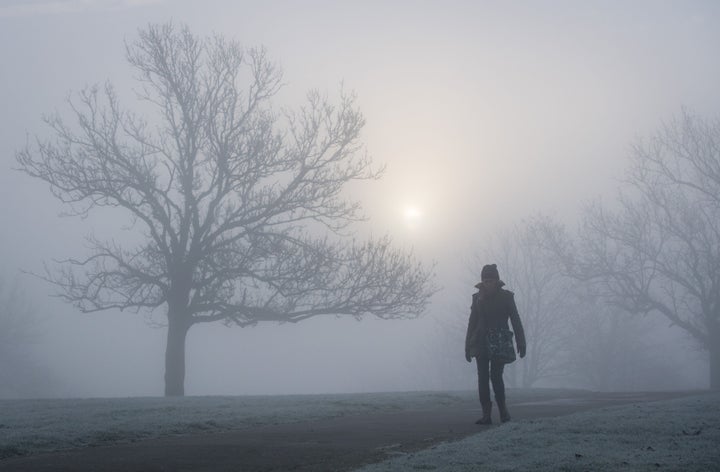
500, 345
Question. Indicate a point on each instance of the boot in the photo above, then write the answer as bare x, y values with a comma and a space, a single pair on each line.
502, 408
486, 419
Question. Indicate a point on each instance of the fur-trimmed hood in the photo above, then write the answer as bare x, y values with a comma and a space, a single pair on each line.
501, 284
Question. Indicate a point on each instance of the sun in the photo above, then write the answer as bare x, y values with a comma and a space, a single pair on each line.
412, 214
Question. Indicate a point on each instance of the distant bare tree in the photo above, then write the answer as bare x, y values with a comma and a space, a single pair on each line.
604, 349
229, 194
659, 250
20, 374
17, 317
543, 295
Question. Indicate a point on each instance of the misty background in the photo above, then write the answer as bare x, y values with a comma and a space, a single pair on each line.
485, 113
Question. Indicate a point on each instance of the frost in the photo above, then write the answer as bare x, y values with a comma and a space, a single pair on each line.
681, 434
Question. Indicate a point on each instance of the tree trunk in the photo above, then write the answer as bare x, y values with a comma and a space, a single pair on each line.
714, 349
175, 357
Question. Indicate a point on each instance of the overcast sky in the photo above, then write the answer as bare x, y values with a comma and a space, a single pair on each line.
484, 113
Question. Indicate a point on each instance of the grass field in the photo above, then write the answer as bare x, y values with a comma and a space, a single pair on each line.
681, 434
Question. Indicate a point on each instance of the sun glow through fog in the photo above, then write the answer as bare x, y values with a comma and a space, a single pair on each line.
412, 213
412, 216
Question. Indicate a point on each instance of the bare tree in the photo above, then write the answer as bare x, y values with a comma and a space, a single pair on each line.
228, 195
17, 317
543, 295
21, 374
604, 349
659, 251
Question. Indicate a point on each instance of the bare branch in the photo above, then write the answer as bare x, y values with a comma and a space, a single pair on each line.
227, 191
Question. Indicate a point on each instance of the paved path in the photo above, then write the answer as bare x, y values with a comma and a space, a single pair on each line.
338, 444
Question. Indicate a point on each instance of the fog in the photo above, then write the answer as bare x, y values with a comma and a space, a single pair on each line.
484, 113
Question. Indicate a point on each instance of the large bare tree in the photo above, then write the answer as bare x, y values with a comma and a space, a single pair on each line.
240, 207
657, 250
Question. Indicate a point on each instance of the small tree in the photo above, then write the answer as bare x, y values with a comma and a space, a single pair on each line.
543, 295
604, 349
17, 317
20, 372
659, 252
230, 195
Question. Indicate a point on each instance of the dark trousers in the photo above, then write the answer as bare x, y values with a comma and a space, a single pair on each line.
490, 370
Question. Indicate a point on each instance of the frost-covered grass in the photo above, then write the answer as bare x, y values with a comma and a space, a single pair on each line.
33, 426
673, 435
677, 435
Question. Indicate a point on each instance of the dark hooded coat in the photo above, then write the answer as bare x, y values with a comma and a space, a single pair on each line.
492, 311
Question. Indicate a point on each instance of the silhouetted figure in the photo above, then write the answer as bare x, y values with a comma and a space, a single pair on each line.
492, 307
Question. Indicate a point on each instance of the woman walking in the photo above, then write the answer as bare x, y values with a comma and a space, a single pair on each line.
487, 335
